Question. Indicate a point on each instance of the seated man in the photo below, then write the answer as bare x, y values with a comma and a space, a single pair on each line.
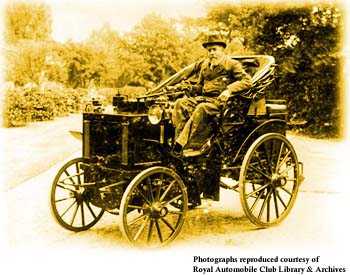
219, 78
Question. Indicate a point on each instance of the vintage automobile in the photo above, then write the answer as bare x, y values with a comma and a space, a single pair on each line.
127, 166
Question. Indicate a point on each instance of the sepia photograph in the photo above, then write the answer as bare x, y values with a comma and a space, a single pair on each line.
174, 137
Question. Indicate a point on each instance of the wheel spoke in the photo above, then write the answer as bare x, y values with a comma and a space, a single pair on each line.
65, 188
158, 187
150, 188
150, 230
74, 215
82, 214
279, 157
168, 224
64, 199
172, 200
159, 231
287, 169
142, 227
278, 149
286, 190
175, 212
161, 180
135, 206
259, 162
264, 204
268, 210
69, 207
279, 197
276, 203
256, 181
78, 172
259, 171
69, 177
166, 191
267, 157
136, 219
256, 202
143, 196
257, 190
90, 209
283, 161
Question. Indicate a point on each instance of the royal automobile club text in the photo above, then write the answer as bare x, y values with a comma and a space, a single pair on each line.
267, 269
263, 264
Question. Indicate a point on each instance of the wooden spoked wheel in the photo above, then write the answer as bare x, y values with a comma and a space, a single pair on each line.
269, 180
153, 208
70, 199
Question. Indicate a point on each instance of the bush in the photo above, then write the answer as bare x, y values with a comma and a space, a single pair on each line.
41, 105
16, 108
28, 103
75, 99
57, 94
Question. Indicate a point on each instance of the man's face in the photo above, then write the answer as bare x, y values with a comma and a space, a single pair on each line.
215, 52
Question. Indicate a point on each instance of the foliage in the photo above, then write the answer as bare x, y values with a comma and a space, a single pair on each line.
83, 63
16, 108
34, 61
31, 103
41, 105
307, 48
25, 61
75, 99
160, 45
57, 94
238, 22
305, 41
25, 20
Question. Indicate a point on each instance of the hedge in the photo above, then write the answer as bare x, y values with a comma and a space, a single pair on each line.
16, 108
29, 103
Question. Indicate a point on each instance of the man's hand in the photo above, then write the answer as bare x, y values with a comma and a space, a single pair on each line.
224, 96
186, 87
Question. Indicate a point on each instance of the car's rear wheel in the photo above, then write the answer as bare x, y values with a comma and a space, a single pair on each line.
269, 180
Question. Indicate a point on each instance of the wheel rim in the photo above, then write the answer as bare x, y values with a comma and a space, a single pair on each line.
70, 200
153, 208
269, 180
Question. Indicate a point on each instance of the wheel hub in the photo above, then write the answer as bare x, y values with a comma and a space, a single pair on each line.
157, 210
277, 180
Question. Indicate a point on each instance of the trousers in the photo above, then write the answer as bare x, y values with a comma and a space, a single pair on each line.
190, 117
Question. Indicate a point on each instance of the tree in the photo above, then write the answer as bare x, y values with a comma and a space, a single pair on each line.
306, 44
305, 41
160, 45
121, 67
84, 63
34, 61
25, 62
25, 20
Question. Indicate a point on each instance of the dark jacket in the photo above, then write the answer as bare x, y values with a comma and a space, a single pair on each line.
228, 74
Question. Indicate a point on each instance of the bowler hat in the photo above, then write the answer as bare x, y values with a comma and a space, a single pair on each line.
213, 39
